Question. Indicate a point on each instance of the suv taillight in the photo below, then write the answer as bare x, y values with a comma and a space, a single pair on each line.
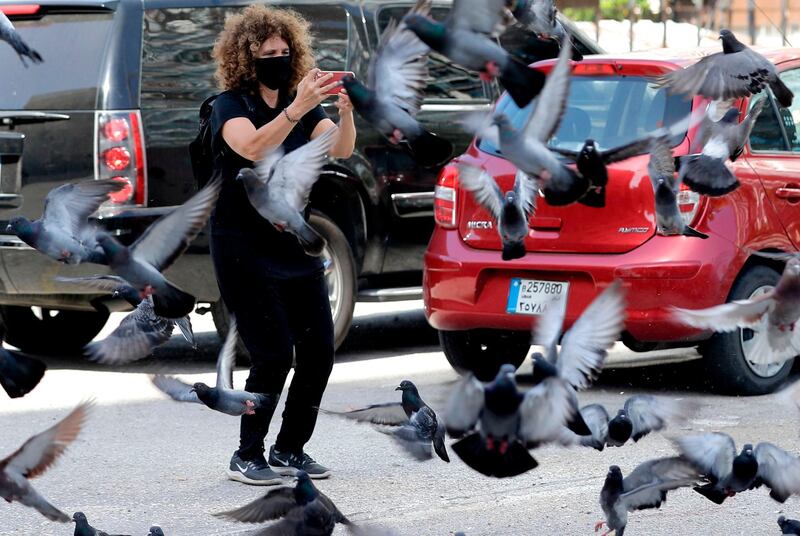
444, 197
688, 203
119, 155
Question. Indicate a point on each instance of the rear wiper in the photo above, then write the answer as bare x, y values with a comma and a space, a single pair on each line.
26, 118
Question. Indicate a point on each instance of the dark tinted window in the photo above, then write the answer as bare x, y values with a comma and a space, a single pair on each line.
609, 109
447, 79
767, 134
72, 46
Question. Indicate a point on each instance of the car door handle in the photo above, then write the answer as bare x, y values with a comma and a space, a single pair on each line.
790, 191
544, 223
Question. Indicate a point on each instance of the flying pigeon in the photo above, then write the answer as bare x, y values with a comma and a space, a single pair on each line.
222, 397
302, 509
501, 423
10, 35
775, 311
789, 526
641, 415
536, 48
706, 173
511, 210
19, 374
714, 454
736, 72
418, 424
393, 94
666, 188
645, 487
279, 186
63, 232
83, 528
583, 347
35, 457
141, 264
540, 16
465, 37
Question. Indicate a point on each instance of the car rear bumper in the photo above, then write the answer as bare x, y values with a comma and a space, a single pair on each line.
466, 288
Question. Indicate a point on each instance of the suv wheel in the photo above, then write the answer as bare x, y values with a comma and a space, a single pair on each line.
725, 354
482, 352
52, 332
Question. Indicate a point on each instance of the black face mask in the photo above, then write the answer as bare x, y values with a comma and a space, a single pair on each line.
274, 72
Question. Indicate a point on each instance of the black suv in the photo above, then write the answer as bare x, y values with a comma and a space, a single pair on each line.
118, 95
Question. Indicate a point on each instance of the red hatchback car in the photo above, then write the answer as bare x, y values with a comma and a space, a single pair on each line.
484, 307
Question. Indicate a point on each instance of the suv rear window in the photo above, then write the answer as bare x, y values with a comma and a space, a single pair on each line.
612, 110
72, 47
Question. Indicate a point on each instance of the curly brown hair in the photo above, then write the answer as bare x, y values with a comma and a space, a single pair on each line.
237, 46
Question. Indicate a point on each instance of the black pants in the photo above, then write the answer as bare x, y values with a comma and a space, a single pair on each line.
275, 317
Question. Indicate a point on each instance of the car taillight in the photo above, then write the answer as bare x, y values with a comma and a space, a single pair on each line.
119, 155
688, 203
444, 198
11, 10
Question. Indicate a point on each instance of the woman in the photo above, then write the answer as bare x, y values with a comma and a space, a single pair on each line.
276, 292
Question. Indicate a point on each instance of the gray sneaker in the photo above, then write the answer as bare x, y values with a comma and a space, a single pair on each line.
254, 472
288, 463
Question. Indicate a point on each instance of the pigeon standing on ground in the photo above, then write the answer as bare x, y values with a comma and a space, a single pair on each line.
775, 311
641, 415
63, 232
19, 374
279, 186
391, 99
141, 265
789, 526
155, 530
222, 397
666, 187
714, 455
501, 423
36, 456
83, 528
583, 347
466, 38
302, 509
419, 427
511, 210
706, 173
12, 37
645, 487
736, 72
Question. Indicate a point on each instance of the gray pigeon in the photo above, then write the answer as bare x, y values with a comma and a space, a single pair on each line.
539, 16
706, 173
501, 423
155, 530
714, 454
420, 432
10, 35
302, 509
511, 210
775, 311
789, 526
736, 72
645, 487
36, 456
141, 264
279, 186
63, 232
666, 188
395, 88
83, 528
19, 374
222, 397
466, 38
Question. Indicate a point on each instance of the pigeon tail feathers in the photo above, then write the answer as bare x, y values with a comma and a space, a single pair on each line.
708, 176
521, 82
429, 149
313, 243
19, 374
514, 461
173, 302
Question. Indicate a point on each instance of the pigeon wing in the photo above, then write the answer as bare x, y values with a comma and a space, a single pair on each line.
41, 451
584, 345
33, 499
718, 76
169, 236
547, 330
645, 486
628, 150
487, 17
300, 169
544, 411
483, 187
104, 283
526, 189
552, 101
596, 418
69, 206
133, 339
275, 504
711, 453
227, 357
779, 470
390, 414
728, 316
175, 389
464, 406
650, 414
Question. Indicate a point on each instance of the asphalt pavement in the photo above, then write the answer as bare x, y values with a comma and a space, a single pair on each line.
143, 459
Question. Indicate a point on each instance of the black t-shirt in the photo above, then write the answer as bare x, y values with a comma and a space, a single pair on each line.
233, 214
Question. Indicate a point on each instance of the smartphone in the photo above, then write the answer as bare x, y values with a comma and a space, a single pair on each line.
337, 77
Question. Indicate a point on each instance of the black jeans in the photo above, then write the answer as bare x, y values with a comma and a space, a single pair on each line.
276, 317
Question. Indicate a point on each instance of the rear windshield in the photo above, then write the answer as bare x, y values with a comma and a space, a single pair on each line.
72, 47
612, 110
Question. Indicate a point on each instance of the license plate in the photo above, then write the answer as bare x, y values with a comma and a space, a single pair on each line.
532, 297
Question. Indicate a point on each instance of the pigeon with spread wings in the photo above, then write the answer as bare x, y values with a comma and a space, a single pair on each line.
10, 35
